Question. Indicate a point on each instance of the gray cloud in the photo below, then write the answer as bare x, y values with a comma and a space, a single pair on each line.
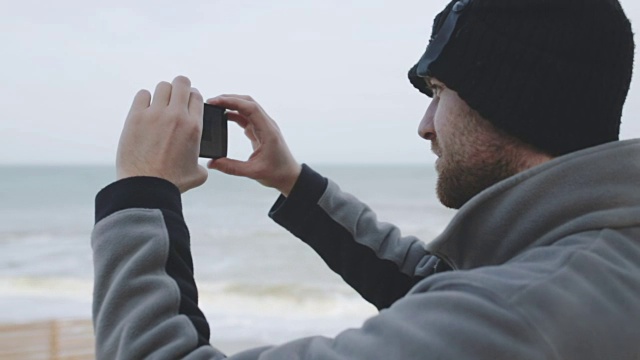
332, 73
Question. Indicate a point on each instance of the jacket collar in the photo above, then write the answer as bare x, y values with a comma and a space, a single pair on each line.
591, 189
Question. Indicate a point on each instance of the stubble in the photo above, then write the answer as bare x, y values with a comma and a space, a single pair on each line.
477, 157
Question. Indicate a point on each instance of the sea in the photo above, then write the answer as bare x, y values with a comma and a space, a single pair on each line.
257, 282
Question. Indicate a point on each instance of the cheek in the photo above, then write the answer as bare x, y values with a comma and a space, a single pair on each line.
442, 128
453, 138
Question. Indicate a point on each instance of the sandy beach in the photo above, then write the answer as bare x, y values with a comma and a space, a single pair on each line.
66, 339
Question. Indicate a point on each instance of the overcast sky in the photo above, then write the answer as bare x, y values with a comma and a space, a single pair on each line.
332, 73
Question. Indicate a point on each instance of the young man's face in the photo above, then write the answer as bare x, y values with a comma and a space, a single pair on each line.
472, 154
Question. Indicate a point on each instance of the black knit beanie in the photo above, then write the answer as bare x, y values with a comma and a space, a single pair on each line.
552, 73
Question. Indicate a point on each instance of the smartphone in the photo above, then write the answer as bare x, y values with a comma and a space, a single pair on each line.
213, 144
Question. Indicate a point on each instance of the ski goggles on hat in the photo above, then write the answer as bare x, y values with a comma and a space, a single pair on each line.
443, 29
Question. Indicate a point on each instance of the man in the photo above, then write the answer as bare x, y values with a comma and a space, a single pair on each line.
542, 261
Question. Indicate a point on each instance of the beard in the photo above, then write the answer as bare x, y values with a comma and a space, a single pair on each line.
466, 168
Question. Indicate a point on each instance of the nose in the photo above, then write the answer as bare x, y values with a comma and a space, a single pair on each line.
426, 129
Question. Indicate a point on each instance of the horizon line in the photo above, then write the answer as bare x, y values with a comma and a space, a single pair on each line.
314, 163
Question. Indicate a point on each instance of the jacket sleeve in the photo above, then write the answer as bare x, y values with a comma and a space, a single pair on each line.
371, 256
146, 301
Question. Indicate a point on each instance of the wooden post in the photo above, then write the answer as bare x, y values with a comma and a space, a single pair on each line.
53, 341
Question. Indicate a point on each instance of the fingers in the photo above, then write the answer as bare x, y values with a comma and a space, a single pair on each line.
230, 166
179, 95
180, 92
255, 142
244, 105
243, 97
161, 95
161, 133
237, 118
196, 104
243, 123
141, 101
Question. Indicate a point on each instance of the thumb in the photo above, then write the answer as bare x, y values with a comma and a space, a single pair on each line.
230, 166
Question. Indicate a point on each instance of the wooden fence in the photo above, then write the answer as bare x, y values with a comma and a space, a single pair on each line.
47, 340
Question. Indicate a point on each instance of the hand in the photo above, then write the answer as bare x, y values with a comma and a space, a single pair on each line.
271, 163
162, 138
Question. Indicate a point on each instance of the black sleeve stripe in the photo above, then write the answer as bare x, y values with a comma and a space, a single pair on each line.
307, 190
137, 192
156, 193
180, 268
378, 281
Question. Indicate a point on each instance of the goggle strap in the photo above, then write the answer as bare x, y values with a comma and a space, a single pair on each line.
441, 39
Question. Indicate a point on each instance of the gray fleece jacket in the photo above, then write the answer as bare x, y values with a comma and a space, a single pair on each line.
543, 265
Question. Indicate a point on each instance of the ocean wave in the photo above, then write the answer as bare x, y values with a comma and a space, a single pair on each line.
225, 295
270, 313
43, 287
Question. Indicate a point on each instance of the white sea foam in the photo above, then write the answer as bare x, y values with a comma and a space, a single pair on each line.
24, 299
269, 314
274, 314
